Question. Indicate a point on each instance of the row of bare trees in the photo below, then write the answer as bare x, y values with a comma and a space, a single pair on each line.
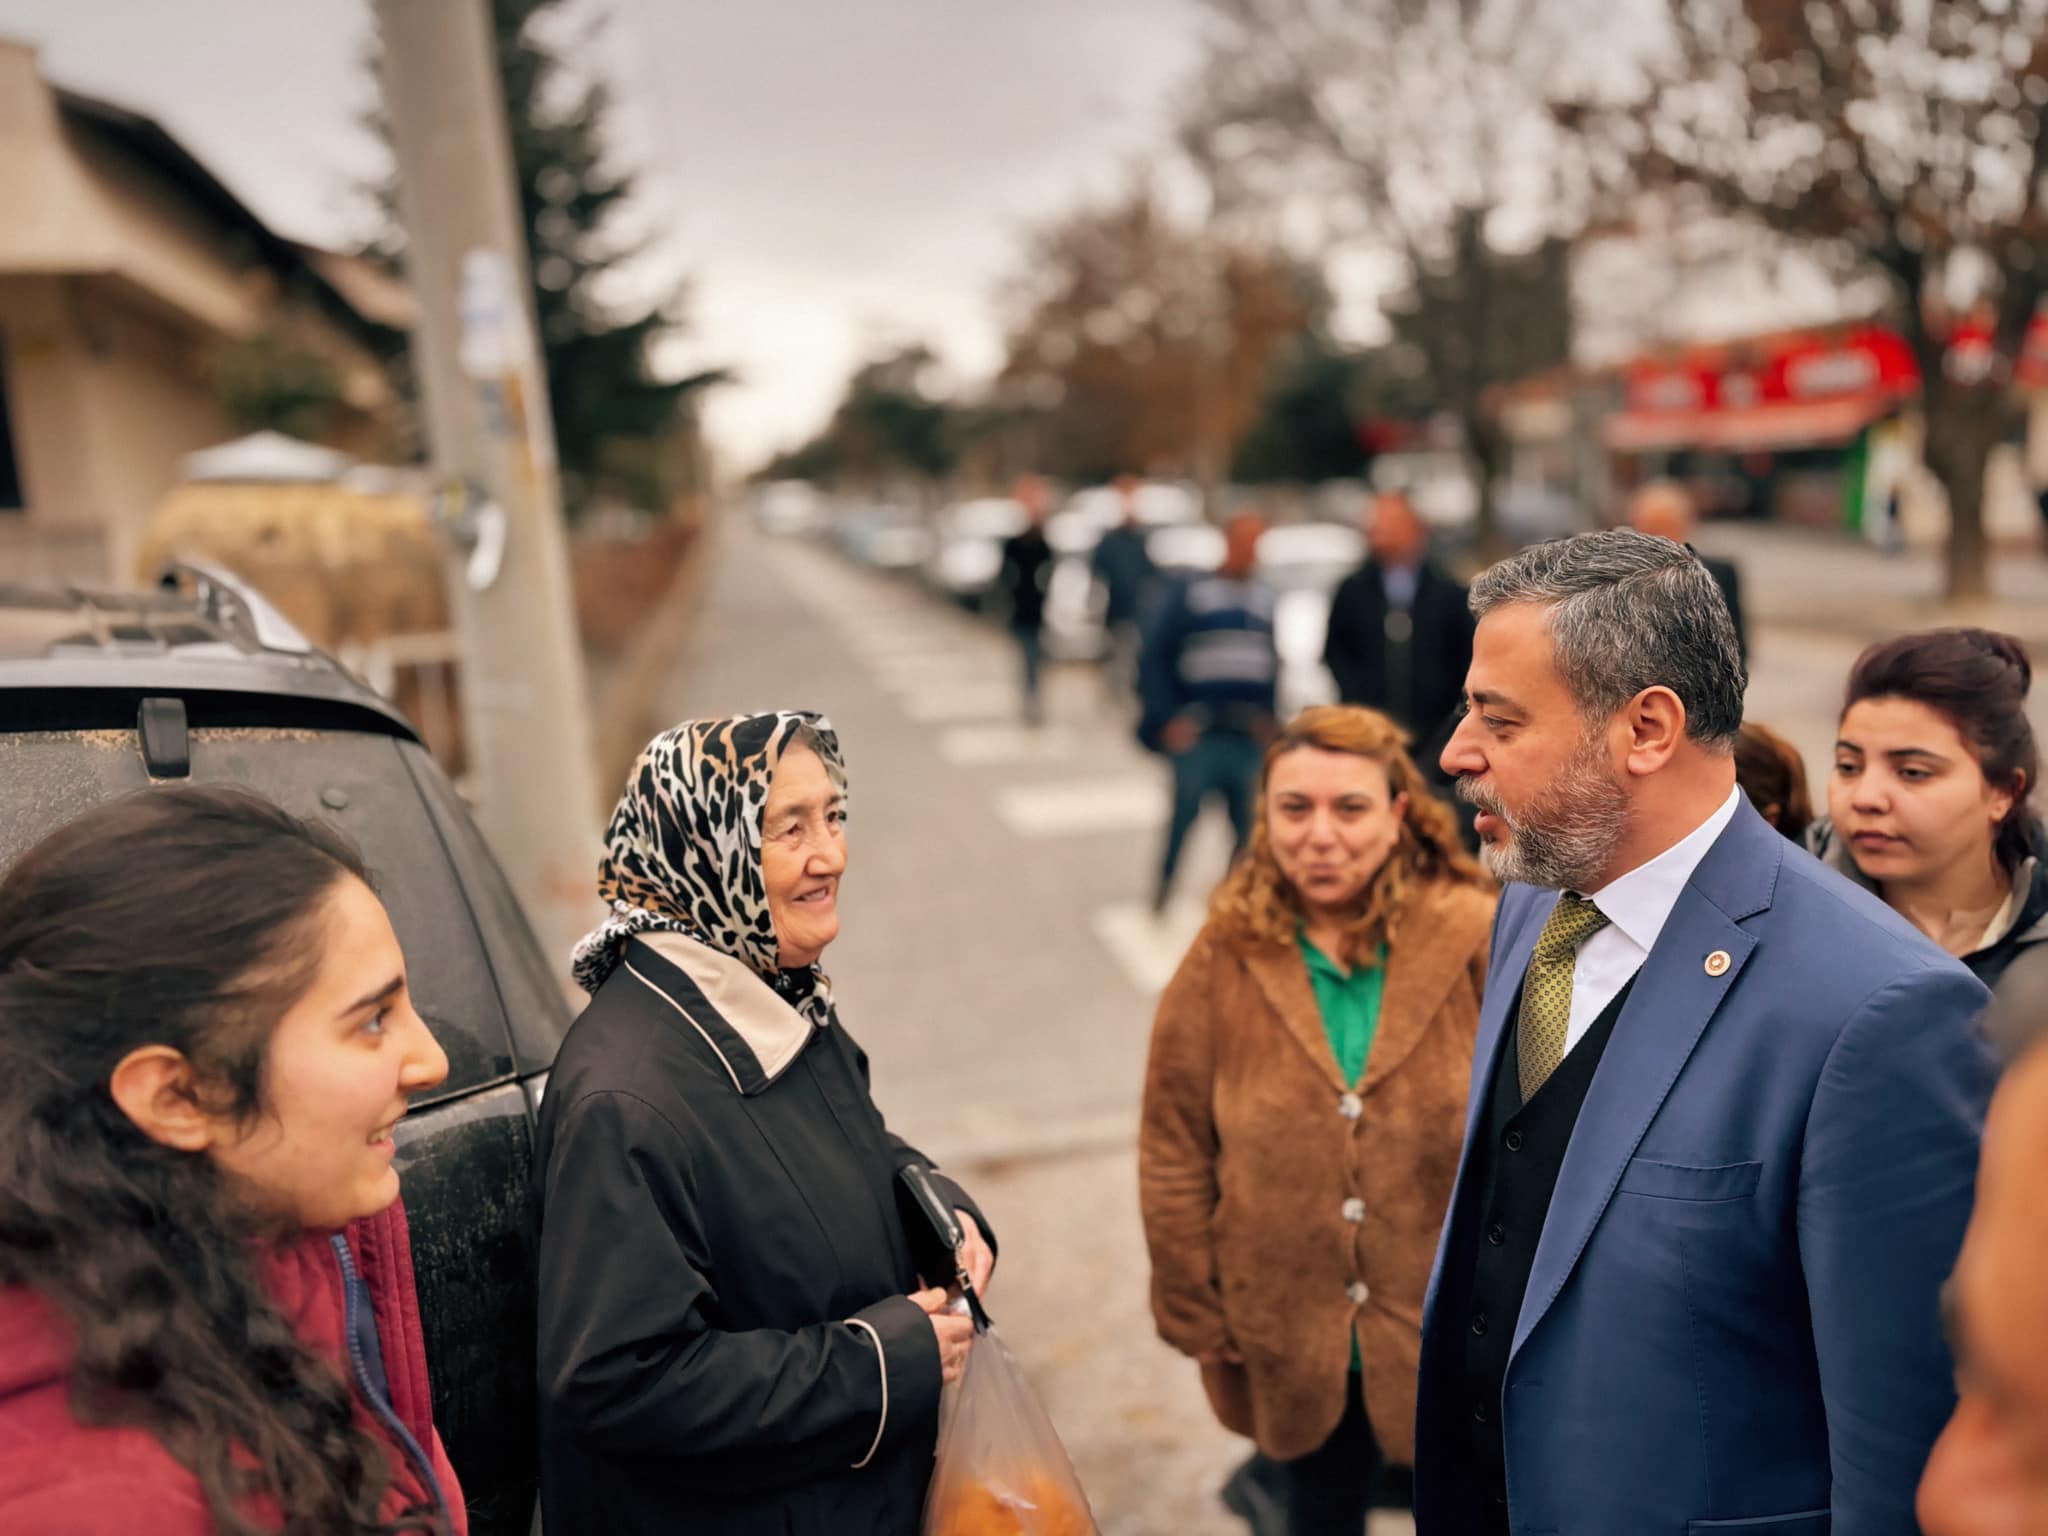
1900, 140
1467, 148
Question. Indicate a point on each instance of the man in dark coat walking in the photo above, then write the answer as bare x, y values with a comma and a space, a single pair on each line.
1123, 565
1400, 636
1025, 578
1665, 508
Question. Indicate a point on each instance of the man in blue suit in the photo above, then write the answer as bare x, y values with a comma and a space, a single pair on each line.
1725, 1108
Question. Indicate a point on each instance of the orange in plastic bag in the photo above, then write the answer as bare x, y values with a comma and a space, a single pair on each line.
1001, 1469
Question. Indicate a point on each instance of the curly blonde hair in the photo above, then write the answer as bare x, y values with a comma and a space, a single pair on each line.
1258, 902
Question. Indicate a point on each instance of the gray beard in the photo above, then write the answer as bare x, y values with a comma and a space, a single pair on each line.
1567, 837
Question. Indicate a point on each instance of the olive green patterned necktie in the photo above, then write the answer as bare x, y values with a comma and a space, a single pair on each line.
1547, 989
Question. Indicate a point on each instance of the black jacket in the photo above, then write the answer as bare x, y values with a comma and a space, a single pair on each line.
2014, 965
1123, 565
726, 1343
1419, 677
1026, 576
1729, 580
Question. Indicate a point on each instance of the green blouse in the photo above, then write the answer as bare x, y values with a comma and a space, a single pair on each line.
1349, 1004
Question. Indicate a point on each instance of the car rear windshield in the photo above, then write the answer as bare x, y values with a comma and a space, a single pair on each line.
359, 781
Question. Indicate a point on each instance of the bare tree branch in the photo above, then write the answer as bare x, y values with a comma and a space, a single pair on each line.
1908, 134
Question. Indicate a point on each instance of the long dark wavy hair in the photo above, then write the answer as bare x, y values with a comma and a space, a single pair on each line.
186, 917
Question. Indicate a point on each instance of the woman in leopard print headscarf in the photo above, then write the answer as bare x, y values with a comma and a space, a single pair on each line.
734, 1333
683, 853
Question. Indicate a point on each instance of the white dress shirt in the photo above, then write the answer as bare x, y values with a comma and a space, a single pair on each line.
1636, 905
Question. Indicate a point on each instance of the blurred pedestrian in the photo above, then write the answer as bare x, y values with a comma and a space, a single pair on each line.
207, 1315
1024, 580
1930, 802
1725, 1106
734, 1336
1400, 634
1666, 509
1303, 1105
1988, 1475
1769, 771
1122, 565
1209, 675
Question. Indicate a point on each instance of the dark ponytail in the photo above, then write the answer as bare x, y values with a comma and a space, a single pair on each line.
187, 917
1977, 680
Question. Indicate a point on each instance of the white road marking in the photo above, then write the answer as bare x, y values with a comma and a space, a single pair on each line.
996, 745
1072, 806
1148, 947
912, 634
962, 702
912, 672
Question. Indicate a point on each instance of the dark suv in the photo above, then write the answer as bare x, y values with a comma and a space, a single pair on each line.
103, 693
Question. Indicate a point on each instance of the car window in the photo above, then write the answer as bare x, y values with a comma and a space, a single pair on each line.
531, 983
355, 780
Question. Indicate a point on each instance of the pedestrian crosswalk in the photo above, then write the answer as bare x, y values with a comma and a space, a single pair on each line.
945, 703
926, 665
1148, 946
960, 677
1067, 807
1001, 743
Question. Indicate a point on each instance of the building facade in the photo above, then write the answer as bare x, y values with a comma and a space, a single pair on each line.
128, 277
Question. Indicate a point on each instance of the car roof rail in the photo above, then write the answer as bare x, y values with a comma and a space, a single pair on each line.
235, 604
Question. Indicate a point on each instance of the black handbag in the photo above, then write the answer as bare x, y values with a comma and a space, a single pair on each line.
935, 1235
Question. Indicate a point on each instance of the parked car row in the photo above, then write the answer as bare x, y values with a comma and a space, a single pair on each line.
958, 554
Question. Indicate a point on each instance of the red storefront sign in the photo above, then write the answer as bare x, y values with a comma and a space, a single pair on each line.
1787, 391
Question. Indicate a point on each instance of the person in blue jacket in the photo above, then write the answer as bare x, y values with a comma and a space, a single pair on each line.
1207, 678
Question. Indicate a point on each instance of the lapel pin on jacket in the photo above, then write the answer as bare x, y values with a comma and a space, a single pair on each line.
1718, 963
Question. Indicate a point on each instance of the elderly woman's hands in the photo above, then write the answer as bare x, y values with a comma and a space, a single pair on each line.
975, 1253
955, 1331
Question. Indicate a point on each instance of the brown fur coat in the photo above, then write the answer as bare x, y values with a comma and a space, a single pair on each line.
1246, 1162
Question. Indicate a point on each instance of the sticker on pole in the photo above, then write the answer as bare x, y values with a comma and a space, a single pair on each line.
474, 524
493, 322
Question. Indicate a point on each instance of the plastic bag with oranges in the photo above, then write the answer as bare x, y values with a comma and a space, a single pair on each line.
1001, 1469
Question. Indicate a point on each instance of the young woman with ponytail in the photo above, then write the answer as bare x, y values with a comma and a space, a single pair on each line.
207, 1321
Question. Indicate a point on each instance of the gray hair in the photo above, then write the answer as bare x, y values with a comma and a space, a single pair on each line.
1629, 611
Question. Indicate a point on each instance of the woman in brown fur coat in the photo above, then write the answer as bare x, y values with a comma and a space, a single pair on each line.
1304, 1105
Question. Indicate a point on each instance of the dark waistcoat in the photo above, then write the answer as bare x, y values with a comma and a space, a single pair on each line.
1515, 1164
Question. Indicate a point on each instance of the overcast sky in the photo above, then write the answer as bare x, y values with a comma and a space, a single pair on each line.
833, 175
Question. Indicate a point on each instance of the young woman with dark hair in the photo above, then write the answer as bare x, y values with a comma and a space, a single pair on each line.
1929, 800
207, 1322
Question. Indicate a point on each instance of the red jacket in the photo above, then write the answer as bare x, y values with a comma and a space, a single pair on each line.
59, 1477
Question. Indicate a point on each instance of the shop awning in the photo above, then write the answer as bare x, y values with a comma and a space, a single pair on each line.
1748, 429
1653, 431
1794, 424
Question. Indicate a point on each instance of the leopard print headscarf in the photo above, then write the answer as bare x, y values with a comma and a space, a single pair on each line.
683, 851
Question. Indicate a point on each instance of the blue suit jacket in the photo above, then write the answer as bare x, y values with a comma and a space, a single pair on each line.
1732, 1320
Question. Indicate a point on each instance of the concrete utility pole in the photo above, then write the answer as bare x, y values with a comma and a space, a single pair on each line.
524, 700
